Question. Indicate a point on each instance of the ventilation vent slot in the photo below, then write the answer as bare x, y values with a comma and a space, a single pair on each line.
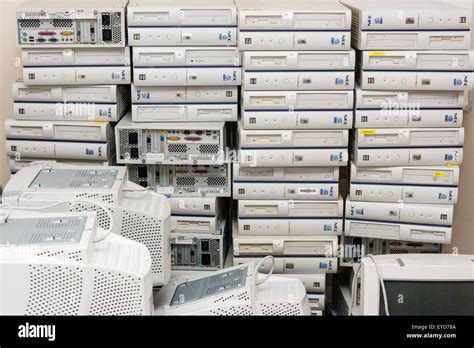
29, 23
55, 290
185, 181
103, 219
107, 198
177, 148
208, 148
243, 310
216, 181
148, 231
285, 309
62, 23
108, 295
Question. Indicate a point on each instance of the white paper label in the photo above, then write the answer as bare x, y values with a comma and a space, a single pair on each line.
155, 157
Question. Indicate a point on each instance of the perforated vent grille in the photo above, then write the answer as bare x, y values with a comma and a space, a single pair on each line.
55, 290
107, 198
186, 181
123, 139
233, 310
216, 181
215, 248
146, 230
115, 26
29, 23
243, 296
208, 148
103, 219
285, 309
116, 294
62, 23
73, 255
177, 148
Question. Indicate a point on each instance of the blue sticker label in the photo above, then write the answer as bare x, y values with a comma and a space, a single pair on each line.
89, 151
327, 227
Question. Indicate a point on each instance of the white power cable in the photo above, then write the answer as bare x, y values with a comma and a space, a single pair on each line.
99, 236
382, 285
256, 282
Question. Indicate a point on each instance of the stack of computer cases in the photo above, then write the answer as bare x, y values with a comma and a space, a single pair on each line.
186, 69
74, 86
414, 71
297, 100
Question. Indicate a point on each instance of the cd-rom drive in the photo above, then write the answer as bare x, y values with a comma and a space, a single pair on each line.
293, 138
413, 40
185, 56
297, 100
401, 193
96, 94
443, 175
285, 190
418, 60
59, 150
298, 80
410, 116
403, 99
293, 264
75, 56
419, 137
51, 130
299, 60
184, 180
434, 214
279, 157
327, 119
169, 143
416, 80
184, 95
195, 251
188, 76
285, 174
181, 14
398, 231
87, 75
268, 15
184, 112
285, 245
436, 156
289, 208
197, 224
285, 227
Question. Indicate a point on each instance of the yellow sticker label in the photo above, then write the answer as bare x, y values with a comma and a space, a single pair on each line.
452, 165
98, 122
367, 131
377, 53
438, 174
